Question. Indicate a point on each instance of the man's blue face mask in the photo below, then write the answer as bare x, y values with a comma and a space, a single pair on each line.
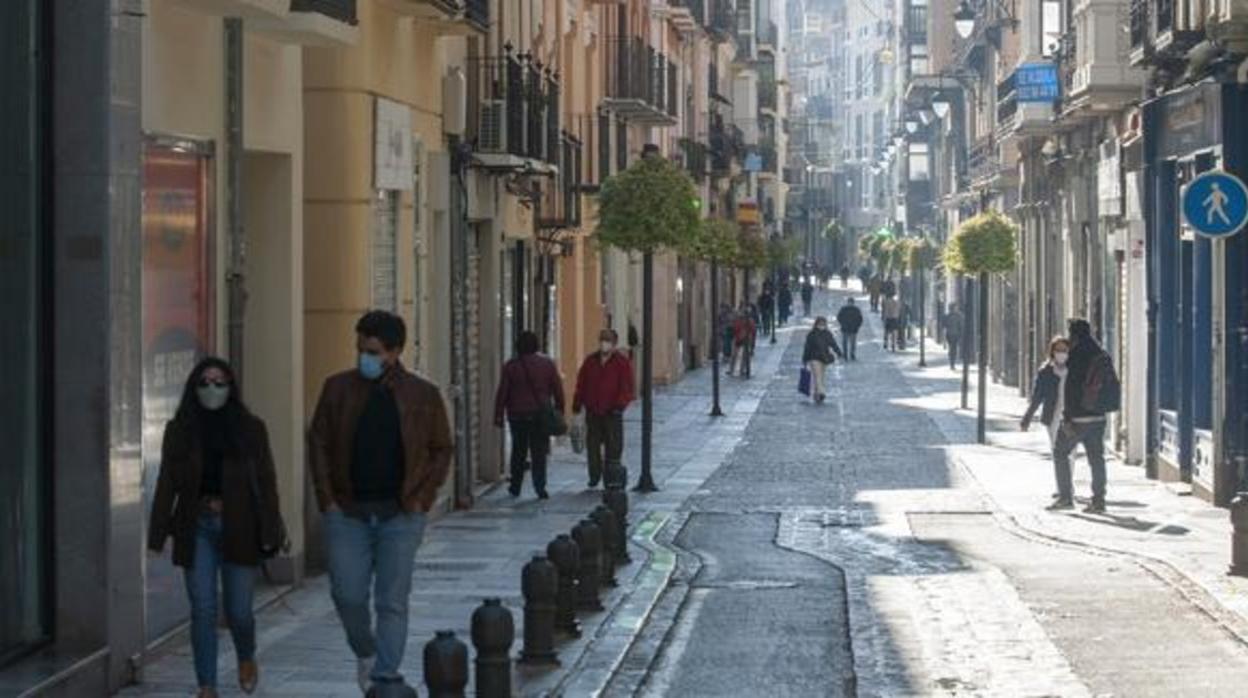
371, 366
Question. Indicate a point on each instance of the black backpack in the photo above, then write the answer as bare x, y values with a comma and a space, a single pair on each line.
1102, 390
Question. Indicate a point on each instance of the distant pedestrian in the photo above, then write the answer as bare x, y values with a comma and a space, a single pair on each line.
744, 331
845, 276
1048, 392
529, 386
808, 297
726, 319
873, 290
216, 496
1092, 391
849, 317
379, 449
785, 301
954, 322
820, 350
604, 388
891, 312
767, 309
864, 276
634, 340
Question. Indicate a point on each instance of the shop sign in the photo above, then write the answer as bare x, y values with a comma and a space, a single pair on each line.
392, 159
1109, 180
1215, 204
1036, 82
747, 213
1189, 122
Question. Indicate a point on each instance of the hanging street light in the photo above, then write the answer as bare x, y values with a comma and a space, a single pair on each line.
964, 20
912, 125
941, 105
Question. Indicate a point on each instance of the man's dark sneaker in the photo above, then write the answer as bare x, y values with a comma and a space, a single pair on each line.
1060, 505
543, 495
513, 491
1094, 507
592, 484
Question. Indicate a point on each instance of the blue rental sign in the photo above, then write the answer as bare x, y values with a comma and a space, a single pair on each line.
1036, 82
1215, 204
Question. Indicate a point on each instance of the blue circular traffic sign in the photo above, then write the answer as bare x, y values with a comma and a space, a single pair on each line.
1216, 204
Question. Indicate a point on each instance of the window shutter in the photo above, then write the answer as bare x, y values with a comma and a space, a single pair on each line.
385, 270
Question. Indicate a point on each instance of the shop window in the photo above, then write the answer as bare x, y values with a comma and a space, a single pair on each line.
179, 318
24, 502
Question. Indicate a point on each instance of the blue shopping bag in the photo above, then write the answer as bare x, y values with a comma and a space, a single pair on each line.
803, 381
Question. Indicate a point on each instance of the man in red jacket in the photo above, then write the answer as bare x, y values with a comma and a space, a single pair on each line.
604, 387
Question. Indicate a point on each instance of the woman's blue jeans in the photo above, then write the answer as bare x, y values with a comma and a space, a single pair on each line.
238, 582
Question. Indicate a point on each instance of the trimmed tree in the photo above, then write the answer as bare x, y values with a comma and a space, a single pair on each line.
982, 246
923, 255
649, 207
716, 242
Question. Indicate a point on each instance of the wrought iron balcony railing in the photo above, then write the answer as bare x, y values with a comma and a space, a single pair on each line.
696, 158
559, 205
641, 82
518, 113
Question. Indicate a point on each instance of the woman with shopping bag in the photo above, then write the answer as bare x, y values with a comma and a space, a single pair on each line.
821, 349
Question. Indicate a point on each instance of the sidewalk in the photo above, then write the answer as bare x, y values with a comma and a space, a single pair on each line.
479, 553
1181, 539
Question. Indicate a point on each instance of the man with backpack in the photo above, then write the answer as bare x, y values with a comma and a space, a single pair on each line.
1092, 391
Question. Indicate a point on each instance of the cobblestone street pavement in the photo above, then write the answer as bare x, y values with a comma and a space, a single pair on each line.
860, 547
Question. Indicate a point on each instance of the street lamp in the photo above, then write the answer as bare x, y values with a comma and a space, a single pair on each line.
898, 140
912, 125
941, 105
964, 20
926, 116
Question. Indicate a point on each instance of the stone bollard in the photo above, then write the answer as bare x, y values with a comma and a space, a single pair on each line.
605, 519
493, 631
615, 496
539, 583
446, 666
588, 539
566, 556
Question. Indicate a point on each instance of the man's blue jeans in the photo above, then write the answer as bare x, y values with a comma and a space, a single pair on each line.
238, 583
850, 340
374, 554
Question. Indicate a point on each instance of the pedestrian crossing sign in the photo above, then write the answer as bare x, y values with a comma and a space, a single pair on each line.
1215, 204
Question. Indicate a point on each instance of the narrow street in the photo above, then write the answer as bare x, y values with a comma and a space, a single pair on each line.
838, 551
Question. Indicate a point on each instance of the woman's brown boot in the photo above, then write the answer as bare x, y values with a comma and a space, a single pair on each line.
248, 675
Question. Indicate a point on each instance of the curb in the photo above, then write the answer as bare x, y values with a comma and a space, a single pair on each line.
604, 653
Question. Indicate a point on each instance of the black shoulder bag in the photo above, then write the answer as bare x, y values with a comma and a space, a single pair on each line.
550, 419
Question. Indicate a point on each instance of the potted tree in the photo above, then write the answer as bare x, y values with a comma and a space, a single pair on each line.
982, 246
650, 207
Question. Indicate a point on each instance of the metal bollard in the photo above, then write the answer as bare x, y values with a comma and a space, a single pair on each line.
588, 538
493, 631
566, 556
615, 496
1239, 536
605, 519
539, 582
446, 666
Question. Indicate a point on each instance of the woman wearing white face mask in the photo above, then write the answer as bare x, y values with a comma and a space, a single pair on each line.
216, 496
1047, 393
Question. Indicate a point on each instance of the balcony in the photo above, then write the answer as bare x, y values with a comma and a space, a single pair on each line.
326, 23
1141, 51
1099, 80
686, 15
458, 16
767, 37
768, 95
722, 22
1176, 29
696, 158
727, 144
559, 200
1027, 108
517, 119
641, 83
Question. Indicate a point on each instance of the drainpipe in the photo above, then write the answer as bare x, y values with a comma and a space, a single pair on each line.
461, 372
236, 268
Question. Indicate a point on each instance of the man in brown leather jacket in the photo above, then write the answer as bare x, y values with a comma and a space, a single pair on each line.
379, 448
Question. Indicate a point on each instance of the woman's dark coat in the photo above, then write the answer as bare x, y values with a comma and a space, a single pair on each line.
176, 506
1044, 395
821, 346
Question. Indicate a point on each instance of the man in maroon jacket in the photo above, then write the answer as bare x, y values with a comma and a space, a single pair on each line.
604, 387
529, 384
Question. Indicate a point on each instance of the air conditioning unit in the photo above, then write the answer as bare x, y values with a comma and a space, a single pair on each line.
479, 196
492, 131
